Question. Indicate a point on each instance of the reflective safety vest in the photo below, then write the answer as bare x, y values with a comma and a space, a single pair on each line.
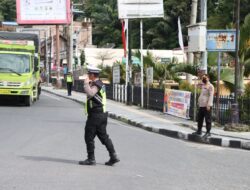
97, 103
69, 78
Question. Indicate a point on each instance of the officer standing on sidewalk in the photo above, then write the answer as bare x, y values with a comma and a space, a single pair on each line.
70, 81
205, 102
97, 118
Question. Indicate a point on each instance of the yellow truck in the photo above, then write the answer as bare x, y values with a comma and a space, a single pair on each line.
19, 66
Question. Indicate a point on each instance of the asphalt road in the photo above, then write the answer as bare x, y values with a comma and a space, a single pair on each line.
41, 145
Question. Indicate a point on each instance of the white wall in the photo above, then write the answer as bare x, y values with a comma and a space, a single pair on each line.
93, 55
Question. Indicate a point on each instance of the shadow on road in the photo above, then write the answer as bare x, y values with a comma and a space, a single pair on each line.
49, 159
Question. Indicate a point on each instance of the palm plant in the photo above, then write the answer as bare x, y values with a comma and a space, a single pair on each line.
244, 53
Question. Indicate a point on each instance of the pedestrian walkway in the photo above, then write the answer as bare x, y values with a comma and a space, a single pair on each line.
161, 123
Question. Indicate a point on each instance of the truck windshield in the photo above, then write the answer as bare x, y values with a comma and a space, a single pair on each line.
14, 63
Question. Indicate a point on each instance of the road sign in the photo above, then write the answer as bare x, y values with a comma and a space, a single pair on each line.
137, 79
116, 74
221, 40
150, 75
129, 9
135, 60
166, 60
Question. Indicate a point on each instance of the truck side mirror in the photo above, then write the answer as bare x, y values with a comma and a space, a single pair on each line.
36, 68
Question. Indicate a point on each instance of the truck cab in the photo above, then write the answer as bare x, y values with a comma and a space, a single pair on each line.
19, 70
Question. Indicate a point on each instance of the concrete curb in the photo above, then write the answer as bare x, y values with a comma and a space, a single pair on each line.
217, 141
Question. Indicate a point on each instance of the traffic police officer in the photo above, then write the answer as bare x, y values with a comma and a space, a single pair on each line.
69, 80
97, 118
205, 102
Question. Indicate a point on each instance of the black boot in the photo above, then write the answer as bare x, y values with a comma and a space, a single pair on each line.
89, 161
113, 159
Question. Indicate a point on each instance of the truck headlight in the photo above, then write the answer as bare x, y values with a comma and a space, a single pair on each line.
27, 83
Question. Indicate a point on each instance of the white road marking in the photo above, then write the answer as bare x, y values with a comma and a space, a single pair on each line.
138, 175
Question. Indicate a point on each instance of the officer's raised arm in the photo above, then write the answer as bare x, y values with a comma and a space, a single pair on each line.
89, 90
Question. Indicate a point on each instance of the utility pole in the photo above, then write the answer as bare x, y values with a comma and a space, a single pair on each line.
50, 60
235, 106
141, 36
203, 4
59, 84
71, 32
192, 21
129, 87
71, 39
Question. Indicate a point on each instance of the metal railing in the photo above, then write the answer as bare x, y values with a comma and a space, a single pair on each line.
155, 101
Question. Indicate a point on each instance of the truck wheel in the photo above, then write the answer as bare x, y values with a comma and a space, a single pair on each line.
28, 100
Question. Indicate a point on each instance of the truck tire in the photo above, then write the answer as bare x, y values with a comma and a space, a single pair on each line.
28, 101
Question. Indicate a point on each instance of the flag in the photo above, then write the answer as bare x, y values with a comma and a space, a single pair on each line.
124, 37
181, 40
180, 34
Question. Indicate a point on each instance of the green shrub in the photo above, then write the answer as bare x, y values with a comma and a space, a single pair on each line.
247, 90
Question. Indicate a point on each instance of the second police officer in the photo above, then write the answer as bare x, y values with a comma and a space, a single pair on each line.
70, 81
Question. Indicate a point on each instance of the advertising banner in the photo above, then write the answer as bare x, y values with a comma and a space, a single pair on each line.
43, 11
177, 103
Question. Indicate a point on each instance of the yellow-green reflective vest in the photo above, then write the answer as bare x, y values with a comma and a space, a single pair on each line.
97, 103
69, 78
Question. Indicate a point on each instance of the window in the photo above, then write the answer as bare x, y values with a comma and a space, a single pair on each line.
16, 62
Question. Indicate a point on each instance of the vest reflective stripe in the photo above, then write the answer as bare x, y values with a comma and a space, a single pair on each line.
104, 100
69, 78
100, 97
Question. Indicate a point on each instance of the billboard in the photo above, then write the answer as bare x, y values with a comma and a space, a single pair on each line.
43, 11
177, 103
221, 40
128, 9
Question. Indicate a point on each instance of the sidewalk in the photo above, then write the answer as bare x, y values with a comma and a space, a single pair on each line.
162, 123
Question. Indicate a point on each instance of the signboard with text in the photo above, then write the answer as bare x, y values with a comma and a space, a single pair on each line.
43, 11
150, 75
137, 79
177, 103
166, 60
116, 74
221, 40
129, 9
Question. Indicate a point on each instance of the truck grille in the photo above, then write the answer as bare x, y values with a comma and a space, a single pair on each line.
10, 84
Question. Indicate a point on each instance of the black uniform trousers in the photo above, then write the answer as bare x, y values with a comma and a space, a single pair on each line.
204, 113
69, 87
96, 126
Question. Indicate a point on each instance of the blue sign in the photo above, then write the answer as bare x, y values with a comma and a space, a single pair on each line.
221, 40
135, 60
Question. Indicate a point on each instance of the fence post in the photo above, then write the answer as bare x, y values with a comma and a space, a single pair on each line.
119, 93
132, 94
122, 93
125, 89
115, 92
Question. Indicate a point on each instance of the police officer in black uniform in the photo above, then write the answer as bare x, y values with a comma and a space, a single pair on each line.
97, 118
